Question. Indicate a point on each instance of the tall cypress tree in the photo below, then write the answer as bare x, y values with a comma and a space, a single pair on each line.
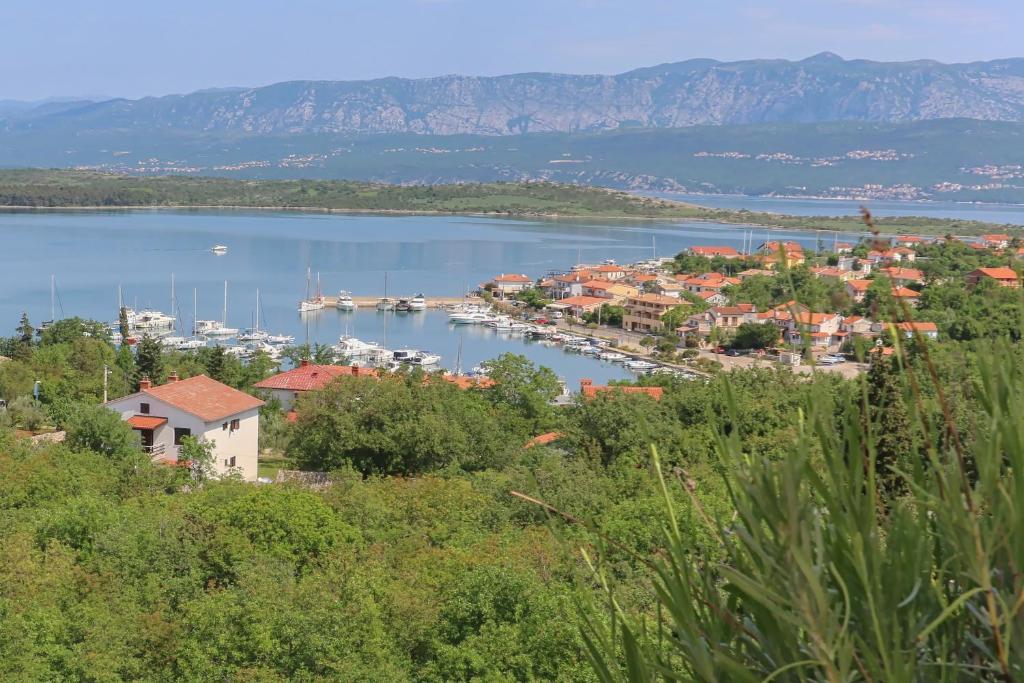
890, 420
122, 323
149, 361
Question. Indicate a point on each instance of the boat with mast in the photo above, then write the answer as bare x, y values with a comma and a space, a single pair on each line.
214, 328
384, 303
315, 302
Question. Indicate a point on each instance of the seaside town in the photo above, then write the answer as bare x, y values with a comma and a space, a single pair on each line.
708, 309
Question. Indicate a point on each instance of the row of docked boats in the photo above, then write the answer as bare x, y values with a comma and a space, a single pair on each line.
373, 355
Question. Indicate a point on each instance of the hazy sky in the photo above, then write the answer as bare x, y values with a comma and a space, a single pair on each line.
143, 47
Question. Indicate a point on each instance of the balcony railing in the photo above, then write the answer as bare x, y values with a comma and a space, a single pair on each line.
155, 450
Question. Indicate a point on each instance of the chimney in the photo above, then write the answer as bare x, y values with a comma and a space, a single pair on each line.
144, 383
304, 363
172, 378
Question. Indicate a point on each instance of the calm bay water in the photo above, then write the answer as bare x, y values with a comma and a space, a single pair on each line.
91, 253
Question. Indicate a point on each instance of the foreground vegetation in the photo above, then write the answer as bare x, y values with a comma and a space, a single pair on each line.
48, 189
791, 527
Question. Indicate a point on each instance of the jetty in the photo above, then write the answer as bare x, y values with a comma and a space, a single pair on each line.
432, 301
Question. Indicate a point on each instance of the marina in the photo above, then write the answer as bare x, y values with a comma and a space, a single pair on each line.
377, 260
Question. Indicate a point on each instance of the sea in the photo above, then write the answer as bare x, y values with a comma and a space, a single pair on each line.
94, 254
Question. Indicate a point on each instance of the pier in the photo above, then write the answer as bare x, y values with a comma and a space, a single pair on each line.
432, 301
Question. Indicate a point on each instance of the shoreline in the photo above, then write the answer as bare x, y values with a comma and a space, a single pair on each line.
886, 229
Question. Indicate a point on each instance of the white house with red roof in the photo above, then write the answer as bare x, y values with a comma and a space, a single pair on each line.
510, 283
199, 407
996, 241
711, 252
288, 386
928, 330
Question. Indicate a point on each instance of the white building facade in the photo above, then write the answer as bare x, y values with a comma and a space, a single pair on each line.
199, 407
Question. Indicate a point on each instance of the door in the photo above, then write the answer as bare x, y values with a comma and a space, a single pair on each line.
147, 438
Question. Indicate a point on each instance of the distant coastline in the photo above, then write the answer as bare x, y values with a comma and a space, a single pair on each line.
42, 190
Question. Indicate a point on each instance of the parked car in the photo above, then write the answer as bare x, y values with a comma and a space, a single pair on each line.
719, 349
733, 352
830, 360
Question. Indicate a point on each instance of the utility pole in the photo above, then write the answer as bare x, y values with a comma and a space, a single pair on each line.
106, 373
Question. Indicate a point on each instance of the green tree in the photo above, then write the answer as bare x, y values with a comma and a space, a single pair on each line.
122, 323
149, 361
755, 336
101, 430
521, 386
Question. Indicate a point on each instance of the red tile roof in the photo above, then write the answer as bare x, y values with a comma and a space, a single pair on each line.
917, 326
311, 377
858, 285
581, 301
659, 299
505, 277
146, 421
206, 398
905, 293
714, 251
543, 439
1002, 273
467, 382
590, 390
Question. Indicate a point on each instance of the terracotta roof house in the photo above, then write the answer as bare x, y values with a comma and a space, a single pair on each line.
996, 241
1003, 276
925, 329
578, 305
711, 252
510, 283
609, 271
199, 407
907, 241
828, 273
544, 439
643, 312
905, 294
287, 386
903, 276
589, 390
857, 289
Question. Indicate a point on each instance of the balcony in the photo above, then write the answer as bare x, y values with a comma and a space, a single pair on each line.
155, 450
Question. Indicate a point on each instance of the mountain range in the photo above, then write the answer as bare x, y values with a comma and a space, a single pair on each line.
821, 88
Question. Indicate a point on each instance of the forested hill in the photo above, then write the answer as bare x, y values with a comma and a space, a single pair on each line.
42, 189
824, 87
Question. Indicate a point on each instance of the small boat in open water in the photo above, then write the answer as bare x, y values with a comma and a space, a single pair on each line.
219, 249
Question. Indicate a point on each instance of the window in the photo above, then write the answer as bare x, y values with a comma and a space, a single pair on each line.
234, 425
231, 461
144, 408
224, 426
180, 433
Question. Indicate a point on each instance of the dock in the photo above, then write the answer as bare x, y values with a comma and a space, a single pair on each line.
432, 301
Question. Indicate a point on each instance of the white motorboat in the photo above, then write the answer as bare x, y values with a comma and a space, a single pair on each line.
191, 344
219, 249
640, 365
252, 335
385, 304
418, 303
469, 317
150, 322
263, 347
239, 352
345, 302
415, 357
280, 339
171, 341
612, 356
356, 349
402, 305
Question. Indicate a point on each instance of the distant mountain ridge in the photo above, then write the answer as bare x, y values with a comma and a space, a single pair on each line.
821, 88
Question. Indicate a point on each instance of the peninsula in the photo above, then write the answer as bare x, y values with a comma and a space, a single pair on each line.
71, 189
